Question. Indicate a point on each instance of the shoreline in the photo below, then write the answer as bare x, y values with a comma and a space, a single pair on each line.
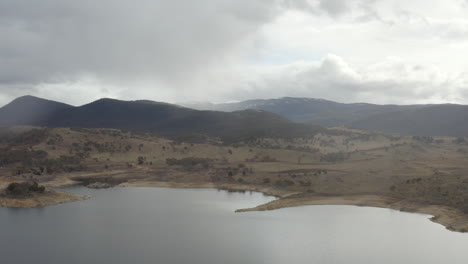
232, 187
451, 218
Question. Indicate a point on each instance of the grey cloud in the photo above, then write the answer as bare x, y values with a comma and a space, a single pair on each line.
334, 7
419, 26
56, 40
166, 43
58, 48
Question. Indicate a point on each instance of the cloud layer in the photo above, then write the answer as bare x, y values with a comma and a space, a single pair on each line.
386, 51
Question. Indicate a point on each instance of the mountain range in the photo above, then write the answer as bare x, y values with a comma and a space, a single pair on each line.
421, 120
282, 117
149, 116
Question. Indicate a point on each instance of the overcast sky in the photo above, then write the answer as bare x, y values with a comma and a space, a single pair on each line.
377, 51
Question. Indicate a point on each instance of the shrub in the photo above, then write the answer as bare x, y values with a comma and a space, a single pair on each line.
189, 163
24, 188
141, 160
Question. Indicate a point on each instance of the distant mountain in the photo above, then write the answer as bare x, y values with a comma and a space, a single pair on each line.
308, 110
163, 118
30, 110
429, 120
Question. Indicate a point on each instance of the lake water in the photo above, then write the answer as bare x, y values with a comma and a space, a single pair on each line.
199, 226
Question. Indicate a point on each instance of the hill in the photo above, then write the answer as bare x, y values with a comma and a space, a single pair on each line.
30, 110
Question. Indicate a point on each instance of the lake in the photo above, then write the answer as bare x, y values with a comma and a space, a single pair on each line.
199, 226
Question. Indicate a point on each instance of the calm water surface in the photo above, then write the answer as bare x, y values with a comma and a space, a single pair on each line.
156, 225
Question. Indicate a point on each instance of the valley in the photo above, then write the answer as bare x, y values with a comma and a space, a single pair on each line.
334, 166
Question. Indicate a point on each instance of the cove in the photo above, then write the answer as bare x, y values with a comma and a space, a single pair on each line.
163, 225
